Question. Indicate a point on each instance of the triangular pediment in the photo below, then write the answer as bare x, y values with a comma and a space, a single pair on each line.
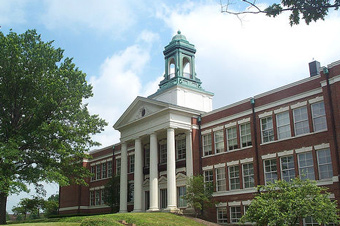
139, 109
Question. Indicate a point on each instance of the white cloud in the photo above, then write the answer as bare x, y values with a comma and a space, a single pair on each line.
237, 60
12, 12
105, 15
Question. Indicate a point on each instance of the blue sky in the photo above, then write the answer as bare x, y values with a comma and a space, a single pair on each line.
119, 45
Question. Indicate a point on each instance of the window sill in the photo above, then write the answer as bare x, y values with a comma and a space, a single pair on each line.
226, 152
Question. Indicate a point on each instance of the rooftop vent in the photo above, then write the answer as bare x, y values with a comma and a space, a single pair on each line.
314, 68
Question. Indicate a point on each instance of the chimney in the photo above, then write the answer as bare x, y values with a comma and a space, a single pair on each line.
314, 68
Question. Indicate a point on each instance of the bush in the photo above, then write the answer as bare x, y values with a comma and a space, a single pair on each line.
99, 222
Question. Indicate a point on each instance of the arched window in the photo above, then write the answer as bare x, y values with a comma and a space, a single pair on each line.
172, 68
186, 68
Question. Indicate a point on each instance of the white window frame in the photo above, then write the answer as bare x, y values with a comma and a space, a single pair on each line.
271, 170
98, 172
246, 173
319, 116
245, 135
92, 198
181, 202
232, 138
131, 163
104, 170
109, 169
208, 175
93, 171
267, 129
290, 168
235, 216
220, 179
219, 141
102, 194
163, 153
163, 198
234, 177
309, 167
118, 166
207, 143
131, 192
325, 163
222, 215
283, 123
147, 157
301, 121
97, 198
181, 149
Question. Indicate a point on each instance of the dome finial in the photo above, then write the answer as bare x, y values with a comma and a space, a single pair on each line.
179, 32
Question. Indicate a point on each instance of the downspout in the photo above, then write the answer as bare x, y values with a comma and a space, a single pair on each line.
329, 92
199, 121
252, 102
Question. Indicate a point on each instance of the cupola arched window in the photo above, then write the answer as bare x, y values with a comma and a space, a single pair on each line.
172, 68
186, 68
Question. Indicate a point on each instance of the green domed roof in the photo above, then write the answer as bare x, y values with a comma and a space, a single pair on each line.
179, 36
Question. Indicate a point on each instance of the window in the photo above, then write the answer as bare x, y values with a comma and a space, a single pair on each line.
97, 197
131, 190
181, 149
104, 170
287, 168
325, 164
147, 157
132, 164
283, 125
248, 175
207, 145
92, 198
181, 191
98, 170
162, 153
220, 179
301, 124
222, 215
118, 163
306, 166
102, 195
232, 138
270, 170
219, 141
93, 171
208, 176
235, 214
319, 116
163, 198
267, 130
109, 169
245, 135
309, 221
234, 177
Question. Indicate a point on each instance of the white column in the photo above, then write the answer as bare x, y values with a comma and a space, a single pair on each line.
188, 154
138, 176
123, 179
154, 204
171, 171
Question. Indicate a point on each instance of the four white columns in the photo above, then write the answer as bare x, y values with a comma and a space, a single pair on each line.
153, 180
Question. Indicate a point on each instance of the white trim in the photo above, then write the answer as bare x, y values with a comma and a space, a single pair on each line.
331, 196
332, 80
321, 146
335, 178
234, 203
100, 158
315, 100
221, 204
245, 120
233, 163
335, 63
118, 157
131, 148
247, 160
229, 125
280, 110
298, 104
220, 165
218, 128
246, 203
205, 168
182, 169
74, 208
206, 132
269, 156
285, 153
234, 192
266, 114
303, 149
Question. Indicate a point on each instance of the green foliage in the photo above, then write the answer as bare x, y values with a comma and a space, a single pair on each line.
31, 206
198, 194
111, 193
99, 222
45, 128
286, 203
51, 206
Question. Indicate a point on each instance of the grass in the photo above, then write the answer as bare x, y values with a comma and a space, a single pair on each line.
140, 219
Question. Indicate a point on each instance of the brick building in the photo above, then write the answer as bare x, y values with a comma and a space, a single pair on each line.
284, 133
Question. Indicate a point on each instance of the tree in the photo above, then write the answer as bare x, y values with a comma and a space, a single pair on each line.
27, 205
45, 129
198, 194
308, 10
51, 205
287, 203
111, 193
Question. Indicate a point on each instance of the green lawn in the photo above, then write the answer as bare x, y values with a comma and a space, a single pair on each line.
140, 219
